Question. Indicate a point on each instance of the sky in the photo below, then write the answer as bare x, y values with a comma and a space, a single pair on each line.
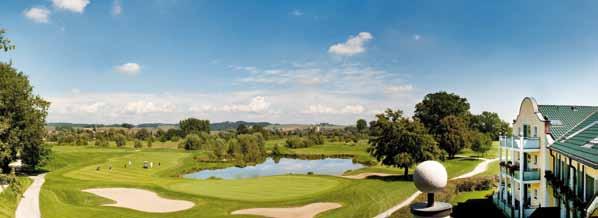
140, 61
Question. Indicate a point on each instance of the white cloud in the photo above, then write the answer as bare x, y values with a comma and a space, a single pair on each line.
416, 37
38, 15
398, 89
322, 109
256, 105
71, 5
353, 109
140, 107
128, 69
319, 109
354, 45
87, 108
296, 12
116, 8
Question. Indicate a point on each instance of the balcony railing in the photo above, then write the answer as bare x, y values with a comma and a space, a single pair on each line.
528, 175
519, 142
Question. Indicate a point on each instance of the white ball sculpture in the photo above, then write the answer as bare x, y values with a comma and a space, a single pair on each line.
430, 176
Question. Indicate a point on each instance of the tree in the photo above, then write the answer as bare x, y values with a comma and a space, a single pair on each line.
191, 142
437, 106
453, 135
400, 142
120, 140
220, 148
192, 125
361, 125
22, 119
102, 142
481, 143
242, 129
142, 134
5, 43
489, 123
127, 125
252, 147
150, 141
138, 144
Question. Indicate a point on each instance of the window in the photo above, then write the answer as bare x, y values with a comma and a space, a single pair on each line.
535, 131
535, 193
535, 159
556, 122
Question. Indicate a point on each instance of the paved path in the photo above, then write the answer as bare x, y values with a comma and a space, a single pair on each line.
480, 168
29, 205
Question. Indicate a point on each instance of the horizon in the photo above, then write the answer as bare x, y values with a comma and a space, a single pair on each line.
161, 61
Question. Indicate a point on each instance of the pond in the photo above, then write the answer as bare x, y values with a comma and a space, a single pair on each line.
327, 166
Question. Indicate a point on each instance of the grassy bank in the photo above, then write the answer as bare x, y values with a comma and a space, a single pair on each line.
10, 200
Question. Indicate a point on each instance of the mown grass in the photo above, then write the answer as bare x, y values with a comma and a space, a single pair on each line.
464, 196
492, 153
10, 200
75, 168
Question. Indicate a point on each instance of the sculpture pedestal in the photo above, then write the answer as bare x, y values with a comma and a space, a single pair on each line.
437, 210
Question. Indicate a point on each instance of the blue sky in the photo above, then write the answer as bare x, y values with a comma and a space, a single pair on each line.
298, 61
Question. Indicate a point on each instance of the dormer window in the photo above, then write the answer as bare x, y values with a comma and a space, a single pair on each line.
556, 122
591, 143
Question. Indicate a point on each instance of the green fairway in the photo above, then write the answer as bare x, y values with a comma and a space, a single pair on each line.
75, 168
271, 188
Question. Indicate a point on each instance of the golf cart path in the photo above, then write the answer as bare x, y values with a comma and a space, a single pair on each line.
480, 168
29, 204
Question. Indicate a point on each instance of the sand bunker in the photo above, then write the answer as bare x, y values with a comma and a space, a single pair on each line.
142, 200
366, 175
307, 211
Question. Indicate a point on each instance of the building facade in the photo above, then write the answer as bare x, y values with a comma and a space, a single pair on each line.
549, 162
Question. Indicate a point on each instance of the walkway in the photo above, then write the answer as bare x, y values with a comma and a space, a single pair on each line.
480, 168
29, 205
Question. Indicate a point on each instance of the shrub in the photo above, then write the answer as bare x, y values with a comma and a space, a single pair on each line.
120, 140
138, 143
102, 143
191, 142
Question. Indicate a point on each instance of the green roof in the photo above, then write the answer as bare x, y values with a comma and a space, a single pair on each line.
581, 142
565, 118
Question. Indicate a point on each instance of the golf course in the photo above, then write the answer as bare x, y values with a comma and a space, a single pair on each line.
76, 168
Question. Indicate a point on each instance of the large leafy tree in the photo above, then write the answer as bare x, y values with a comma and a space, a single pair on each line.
481, 143
400, 142
192, 125
22, 117
454, 135
437, 106
361, 125
489, 123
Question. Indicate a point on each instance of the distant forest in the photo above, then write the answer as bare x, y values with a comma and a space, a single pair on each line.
213, 126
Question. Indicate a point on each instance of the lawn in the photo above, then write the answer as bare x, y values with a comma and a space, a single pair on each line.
464, 196
9, 201
76, 168
492, 153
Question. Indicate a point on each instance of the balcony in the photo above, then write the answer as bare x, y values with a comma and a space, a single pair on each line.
519, 142
528, 175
